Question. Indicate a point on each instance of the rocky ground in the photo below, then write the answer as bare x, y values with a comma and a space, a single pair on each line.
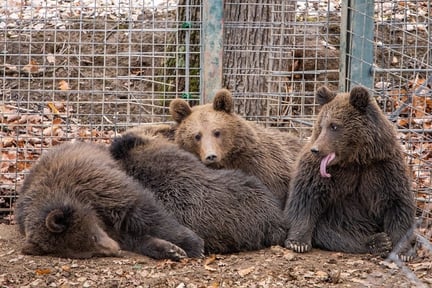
272, 267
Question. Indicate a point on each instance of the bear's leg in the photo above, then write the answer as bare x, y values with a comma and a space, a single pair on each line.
302, 211
149, 218
398, 224
184, 238
300, 233
351, 239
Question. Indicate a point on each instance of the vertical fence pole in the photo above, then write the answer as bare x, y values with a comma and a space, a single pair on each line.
212, 49
357, 44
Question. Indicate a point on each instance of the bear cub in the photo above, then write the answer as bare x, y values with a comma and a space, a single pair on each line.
351, 189
222, 139
77, 203
230, 210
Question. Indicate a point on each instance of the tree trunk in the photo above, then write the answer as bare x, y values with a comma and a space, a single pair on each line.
256, 42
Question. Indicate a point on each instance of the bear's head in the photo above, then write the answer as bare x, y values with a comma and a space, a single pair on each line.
350, 129
209, 131
69, 231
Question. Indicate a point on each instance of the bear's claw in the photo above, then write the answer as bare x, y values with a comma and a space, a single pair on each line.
379, 243
296, 246
175, 253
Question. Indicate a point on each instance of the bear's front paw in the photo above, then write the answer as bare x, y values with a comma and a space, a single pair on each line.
406, 258
406, 252
175, 253
380, 244
297, 246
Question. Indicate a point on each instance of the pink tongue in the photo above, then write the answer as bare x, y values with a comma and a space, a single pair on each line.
324, 162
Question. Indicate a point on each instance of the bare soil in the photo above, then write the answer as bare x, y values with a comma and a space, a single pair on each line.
272, 267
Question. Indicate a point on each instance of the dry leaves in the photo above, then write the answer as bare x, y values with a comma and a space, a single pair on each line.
26, 133
411, 108
209, 260
63, 85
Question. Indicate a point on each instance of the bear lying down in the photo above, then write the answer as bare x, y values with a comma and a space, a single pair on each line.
76, 203
351, 190
230, 210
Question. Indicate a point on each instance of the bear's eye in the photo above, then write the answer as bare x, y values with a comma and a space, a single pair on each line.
333, 127
95, 238
217, 134
198, 137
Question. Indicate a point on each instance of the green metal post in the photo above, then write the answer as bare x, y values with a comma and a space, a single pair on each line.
357, 57
212, 49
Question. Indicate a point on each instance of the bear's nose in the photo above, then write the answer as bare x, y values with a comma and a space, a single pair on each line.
211, 158
314, 150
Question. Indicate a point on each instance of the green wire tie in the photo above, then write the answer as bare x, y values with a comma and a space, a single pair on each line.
185, 25
186, 95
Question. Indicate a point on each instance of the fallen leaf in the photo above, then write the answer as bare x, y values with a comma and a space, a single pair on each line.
50, 58
65, 268
246, 271
43, 271
63, 85
209, 260
32, 67
53, 108
50, 131
57, 121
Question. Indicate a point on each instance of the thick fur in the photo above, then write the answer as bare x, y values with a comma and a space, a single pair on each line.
77, 203
222, 139
364, 204
165, 130
231, 211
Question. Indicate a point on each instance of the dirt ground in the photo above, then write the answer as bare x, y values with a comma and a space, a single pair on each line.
272, 267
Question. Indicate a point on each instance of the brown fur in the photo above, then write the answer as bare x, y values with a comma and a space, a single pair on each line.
222, 139
76, 203
231, 211
359, 202
165, 130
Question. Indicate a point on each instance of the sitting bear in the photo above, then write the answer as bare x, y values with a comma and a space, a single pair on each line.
77, 203
351, 190
231, 211
223, 139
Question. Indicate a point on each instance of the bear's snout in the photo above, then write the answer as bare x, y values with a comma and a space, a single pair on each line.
210, 158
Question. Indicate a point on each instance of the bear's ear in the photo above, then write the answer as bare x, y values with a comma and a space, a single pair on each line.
324, 95
57, 220
223, 101
121, 146
359, 98
179, 110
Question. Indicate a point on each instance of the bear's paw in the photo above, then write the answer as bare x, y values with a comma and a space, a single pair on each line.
380, 244
297, 246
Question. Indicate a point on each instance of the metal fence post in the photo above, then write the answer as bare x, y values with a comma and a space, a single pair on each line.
212, 49
357, 44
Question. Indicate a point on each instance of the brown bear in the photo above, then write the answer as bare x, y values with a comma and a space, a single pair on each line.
351, 190
223, 139
230, 210
77, 203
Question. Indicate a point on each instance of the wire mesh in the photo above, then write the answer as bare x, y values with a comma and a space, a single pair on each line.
403, 86
85, 70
